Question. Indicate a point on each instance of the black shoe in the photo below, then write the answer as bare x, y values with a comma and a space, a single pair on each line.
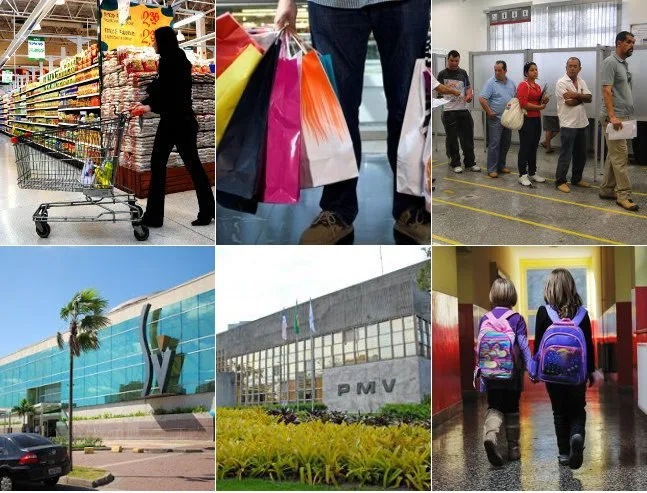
576, 456
145, 220
202, 221
563, 459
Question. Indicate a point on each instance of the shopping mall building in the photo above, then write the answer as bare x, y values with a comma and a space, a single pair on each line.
371, 347
157, 354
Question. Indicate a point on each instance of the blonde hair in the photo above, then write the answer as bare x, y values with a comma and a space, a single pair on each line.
503, 293
560, 292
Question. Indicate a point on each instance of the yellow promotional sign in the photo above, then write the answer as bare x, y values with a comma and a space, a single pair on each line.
139, 28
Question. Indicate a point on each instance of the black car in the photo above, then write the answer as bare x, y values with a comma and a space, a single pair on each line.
31, 458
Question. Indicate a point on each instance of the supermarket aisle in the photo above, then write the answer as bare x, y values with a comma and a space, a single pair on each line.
18, 205
283, 224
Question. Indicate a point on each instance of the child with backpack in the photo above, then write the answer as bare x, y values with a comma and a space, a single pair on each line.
502, 353
564, 359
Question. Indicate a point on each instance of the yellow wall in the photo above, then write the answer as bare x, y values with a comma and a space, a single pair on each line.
443, 270
624, 273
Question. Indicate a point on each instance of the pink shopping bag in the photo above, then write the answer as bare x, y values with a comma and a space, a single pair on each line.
283, 156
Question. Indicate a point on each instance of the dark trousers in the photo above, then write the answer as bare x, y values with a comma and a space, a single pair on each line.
181, 132
459, 127
529, 136
569, 416
506, 401
400, 31
573, 147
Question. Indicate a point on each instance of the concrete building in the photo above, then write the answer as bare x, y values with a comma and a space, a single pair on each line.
157, 354
371, 347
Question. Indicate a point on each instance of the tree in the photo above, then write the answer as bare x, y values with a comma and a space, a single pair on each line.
424, 274
23, 409
85, 317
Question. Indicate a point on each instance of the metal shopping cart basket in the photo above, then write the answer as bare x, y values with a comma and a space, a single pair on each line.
78, 158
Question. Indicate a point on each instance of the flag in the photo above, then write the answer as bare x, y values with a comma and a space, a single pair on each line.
284, 326
296, 320
312, 318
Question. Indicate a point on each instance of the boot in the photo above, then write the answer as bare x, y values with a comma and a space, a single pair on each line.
563, 433
492, 426
512, 434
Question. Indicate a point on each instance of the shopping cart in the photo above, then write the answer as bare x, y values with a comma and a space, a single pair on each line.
78, 158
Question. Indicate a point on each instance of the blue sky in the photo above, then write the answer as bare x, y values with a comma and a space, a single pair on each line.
35, 282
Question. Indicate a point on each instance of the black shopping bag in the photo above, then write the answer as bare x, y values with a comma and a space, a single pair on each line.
240, 156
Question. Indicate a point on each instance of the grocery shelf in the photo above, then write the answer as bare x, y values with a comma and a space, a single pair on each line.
88, 95
80, 108
61, 78
93, 79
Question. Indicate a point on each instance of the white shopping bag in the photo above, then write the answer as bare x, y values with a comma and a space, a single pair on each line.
513, 115
329, 156
426, 159
410, 165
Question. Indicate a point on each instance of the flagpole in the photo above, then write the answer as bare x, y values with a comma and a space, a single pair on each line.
312, 358
297, 351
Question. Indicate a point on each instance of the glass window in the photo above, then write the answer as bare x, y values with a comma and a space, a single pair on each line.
371, 330
386, 352
338, 338
385, 328
397, 338
190, 303
338, 349
373, 355
360, 333
410, 335
408, 322
397, 325
371, 342
385, 340
398, 351
327, 341
171, 310
410, 349
318, 342
339, 360
207, 297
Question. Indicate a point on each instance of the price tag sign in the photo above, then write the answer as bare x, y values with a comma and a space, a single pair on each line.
7, 76
139, 28
36, 48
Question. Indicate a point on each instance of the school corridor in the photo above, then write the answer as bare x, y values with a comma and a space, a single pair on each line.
612, 282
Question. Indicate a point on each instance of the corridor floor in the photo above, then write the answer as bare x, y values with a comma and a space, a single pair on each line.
471, 208
18, 205
615, 455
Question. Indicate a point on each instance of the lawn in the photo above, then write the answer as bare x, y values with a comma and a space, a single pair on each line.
89, 473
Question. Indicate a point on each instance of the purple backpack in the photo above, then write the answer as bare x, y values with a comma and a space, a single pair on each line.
561, 357
495, 348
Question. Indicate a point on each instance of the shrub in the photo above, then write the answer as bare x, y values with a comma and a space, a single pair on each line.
180, 410
79, 442
407, 412
251, 443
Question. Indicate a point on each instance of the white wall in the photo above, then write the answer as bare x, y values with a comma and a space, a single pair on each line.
462, 25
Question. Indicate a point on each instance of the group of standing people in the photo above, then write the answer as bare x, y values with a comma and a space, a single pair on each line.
572, 95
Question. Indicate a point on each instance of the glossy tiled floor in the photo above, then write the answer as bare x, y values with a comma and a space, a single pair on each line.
18, 205
283, 224
615, 457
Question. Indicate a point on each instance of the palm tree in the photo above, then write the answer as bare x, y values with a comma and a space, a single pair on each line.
85, 317
23, 409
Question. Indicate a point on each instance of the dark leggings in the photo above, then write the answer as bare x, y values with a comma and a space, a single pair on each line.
569, 416
529, 136
506, 401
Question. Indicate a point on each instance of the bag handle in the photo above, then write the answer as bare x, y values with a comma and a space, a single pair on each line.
554, 316
579, 316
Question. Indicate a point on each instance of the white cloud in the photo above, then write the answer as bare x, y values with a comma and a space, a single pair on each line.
255, 281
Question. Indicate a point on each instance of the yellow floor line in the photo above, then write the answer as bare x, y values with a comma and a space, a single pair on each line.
552, 199
439, 164
531, 223
445, 240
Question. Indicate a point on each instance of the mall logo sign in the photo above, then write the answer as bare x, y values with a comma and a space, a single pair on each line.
369, 388
159, 362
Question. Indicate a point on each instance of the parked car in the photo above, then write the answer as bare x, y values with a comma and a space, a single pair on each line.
30, 458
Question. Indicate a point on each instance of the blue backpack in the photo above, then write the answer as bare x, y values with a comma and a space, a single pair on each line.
561, 357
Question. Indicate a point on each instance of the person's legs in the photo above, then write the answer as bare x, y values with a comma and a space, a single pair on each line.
343, 33
608, 185
560, 418
466, 137
162, 146
534, 144
188, 150
576, 402
579, 156
495, 132
506, 138
568, 136
400, 30
450, 122
618, 156
492, 425
512, 430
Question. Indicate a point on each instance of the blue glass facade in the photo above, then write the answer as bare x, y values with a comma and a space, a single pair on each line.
115, 372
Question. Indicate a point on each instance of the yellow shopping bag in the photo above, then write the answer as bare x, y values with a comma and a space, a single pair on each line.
230, 86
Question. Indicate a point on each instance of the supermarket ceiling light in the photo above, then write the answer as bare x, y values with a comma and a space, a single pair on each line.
36, 27
189, 20
60, 2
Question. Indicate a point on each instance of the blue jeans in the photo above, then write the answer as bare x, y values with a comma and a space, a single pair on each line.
400, 31
499, 139
573, 146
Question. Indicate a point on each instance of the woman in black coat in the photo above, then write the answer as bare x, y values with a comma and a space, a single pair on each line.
169, 95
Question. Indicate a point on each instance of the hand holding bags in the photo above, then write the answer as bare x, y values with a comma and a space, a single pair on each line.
410, 166
284, 132
329, 148
231, 41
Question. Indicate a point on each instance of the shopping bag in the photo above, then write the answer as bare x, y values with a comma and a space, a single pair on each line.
241, 154
426, 159
284, 132
231, 41
329, 148
410, 168
326, 61
230, 87
513, 115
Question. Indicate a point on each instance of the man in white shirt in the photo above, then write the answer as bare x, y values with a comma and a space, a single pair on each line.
572, 92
